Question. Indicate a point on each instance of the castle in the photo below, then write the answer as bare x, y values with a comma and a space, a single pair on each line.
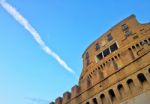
116, 67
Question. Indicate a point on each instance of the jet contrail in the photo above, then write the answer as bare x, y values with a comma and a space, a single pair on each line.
37, 101
24, 22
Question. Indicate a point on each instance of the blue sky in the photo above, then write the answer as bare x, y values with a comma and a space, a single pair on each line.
30, 76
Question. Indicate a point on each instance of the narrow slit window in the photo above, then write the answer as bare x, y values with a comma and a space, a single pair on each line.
87, 58
113, 47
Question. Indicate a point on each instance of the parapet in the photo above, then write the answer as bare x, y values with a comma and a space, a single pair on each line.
66, 97
75, 91
59, 100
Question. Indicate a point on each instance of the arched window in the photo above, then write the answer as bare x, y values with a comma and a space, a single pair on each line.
120, 89
130, 81
103, 99
130, 84
95, 101
129, 49
145, 41
137, 45
87, 103
112, 95
141, 78
133, 47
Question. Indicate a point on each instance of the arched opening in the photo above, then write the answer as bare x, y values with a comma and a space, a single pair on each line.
87, 103
112, 95
103, 99
116, 57
130, 84
131, 53
137, 45
149, 70
133, 47
95, 101
130, 81
141, 43
145, 41
120, 89
141, 78
129, 49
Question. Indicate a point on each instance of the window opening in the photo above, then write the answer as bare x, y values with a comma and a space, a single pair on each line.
100, 56
124, 26
95, 101
120, 89
142, 78
113, 47
97, 46
137, 45
106, 52
87, 103
112, 95
145, 41
87, 58
110, 37
102, 97
130, 83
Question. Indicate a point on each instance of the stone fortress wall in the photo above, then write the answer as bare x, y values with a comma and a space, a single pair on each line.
116, 67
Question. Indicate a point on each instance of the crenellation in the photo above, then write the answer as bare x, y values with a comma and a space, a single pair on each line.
59, 100
66, 97
75, 91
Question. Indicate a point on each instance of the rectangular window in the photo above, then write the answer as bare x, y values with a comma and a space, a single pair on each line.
106, 52
128, 32
109, 37
113, 47
124, 27
99, 56
97, 46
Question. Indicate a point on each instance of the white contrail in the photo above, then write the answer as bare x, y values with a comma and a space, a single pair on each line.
37, 101
24, 22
